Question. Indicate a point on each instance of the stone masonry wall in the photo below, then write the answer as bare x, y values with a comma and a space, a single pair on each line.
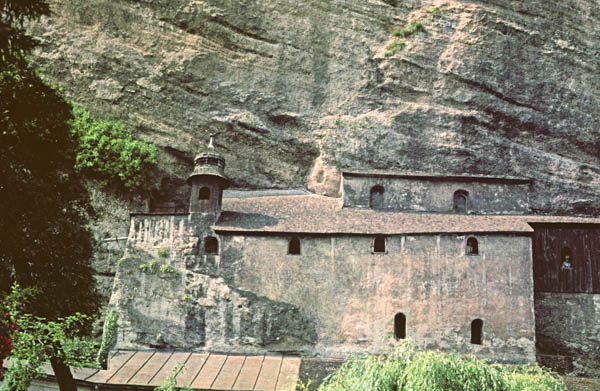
169, 294
352, 294
568, 331
437, 196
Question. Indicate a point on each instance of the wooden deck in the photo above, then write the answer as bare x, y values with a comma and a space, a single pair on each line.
202, 371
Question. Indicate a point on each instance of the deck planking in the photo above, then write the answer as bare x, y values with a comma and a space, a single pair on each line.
249, 373
229, 373
209, 371
203, 371
269, 372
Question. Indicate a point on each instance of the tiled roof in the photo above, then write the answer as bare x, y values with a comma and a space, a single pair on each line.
435, 177
561, 219
324, 215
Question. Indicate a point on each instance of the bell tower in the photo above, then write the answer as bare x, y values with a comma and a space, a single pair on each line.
208, 181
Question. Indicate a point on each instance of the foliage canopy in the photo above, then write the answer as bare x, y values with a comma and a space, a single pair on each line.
36, 340
43, 203
44, 207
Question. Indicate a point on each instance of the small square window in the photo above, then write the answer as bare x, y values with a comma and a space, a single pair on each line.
379, 244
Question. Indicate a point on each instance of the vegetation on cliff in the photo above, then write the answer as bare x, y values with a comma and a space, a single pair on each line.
109, 153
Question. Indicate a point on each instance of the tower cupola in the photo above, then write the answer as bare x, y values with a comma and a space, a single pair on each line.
208, 181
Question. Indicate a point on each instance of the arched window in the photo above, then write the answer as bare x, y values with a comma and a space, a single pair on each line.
204, 193
294, 246
379, 244
476, 331
460, 201
472, 247
376, 197
211, 245
400, 326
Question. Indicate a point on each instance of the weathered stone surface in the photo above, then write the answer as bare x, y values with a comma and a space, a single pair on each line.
303, 89
298, 91
353, 294
568, 331
483, 195
169, 294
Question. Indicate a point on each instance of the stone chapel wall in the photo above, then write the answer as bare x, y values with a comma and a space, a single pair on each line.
436, 194
353, 294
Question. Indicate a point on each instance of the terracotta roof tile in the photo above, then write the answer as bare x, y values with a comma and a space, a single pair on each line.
321, 215
324, 215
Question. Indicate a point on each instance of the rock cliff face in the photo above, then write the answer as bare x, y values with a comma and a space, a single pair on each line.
297, 91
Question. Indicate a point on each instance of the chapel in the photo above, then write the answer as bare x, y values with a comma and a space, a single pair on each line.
451, 262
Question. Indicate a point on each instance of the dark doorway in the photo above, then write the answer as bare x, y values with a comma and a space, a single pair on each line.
476, 331
400, 326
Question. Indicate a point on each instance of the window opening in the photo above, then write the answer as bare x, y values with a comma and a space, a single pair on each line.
400, 326
566, 258
204, 193
476, 331
379, 244
211, 245
376, 197
294, 246
472, 247
460, 201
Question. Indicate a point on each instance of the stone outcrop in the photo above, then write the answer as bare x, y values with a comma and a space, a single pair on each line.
296, 91
568, 332
169, 296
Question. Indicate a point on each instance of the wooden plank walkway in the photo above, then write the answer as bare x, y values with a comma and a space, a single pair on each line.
201, 371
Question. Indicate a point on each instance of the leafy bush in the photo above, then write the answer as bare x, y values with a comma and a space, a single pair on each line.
407, 370
163, 252
36, 340
109, 152
394, 48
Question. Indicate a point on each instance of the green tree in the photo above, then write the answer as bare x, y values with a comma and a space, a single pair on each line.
43, 204
37, 340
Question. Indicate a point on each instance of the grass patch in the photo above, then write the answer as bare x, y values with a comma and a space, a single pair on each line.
394, 48
407, 370
409, 30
